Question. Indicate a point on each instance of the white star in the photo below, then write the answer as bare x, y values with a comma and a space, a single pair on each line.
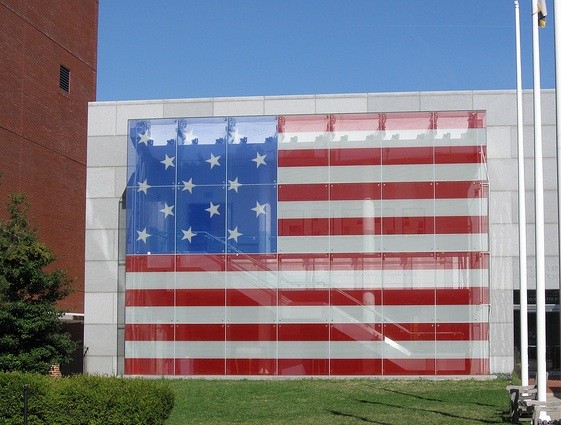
167, 210
144, 138
234, 185
213, 209
168, 161
259, 160
188, 234
236, 136
189, 185
142, 236
234, 234
213, 160
189, 137
143, 186
259, 209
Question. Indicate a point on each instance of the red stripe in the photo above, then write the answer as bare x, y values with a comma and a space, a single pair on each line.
312, 367
411, 155
350, 367
408, 367
459, 154
409, 331
391, 121
149, 366
303, 332
356, 332
462, 331
251, 297
150, 297
382, 225
303, 158
251, 332
303, 227
355, 191
355, 122
263, 367
465, 224
341, 261
149, 263
200, 366
251, 262
461, 296
462, 366
305, 297
410, 190
308, 332
463, 189
387, 191
440, 261
303, 192
408, 155
302, 367
303, 123
359, 156
199, 332
303, 262
149, 332
201, 263
356, 297
200, 297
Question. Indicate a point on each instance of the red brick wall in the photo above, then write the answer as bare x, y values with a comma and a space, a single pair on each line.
43, 130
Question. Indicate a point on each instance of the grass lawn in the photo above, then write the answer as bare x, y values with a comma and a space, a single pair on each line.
339, 401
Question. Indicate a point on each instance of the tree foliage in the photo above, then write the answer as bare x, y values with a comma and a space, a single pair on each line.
32, 337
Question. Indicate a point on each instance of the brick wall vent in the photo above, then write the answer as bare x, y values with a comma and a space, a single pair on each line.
64, 80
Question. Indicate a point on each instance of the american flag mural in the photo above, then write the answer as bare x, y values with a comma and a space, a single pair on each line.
346, 244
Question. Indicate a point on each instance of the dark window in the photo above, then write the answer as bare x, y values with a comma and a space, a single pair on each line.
64, 81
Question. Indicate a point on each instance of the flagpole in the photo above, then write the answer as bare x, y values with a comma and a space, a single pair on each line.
557, 32
522, 265
539, 207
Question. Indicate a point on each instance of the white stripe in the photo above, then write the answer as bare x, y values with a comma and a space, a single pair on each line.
383, 208
385, 243
409, 314
385, 173
304, 140
387, 139
150, 280
323, 279
309, 314
296, 175
387, 349
466, 242
301, 244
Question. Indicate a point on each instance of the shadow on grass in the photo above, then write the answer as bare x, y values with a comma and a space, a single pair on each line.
438, 412
412, 395
348, 415
433, 399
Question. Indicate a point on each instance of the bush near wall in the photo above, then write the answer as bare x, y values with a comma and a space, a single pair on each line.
82, 399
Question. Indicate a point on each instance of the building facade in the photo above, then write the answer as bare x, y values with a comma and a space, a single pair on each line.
48, 76
141, 322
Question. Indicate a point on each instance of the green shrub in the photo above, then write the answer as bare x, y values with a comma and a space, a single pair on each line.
84, 399
12, 398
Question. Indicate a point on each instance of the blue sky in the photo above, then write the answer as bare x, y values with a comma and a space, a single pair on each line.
170, 49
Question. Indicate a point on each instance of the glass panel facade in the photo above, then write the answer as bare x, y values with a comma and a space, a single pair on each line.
350, 244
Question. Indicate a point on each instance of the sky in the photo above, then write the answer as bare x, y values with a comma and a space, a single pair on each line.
173, 49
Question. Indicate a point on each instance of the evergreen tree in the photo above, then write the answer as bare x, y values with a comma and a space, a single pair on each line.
32, 337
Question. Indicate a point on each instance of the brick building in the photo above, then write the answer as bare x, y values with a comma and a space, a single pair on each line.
48, 76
